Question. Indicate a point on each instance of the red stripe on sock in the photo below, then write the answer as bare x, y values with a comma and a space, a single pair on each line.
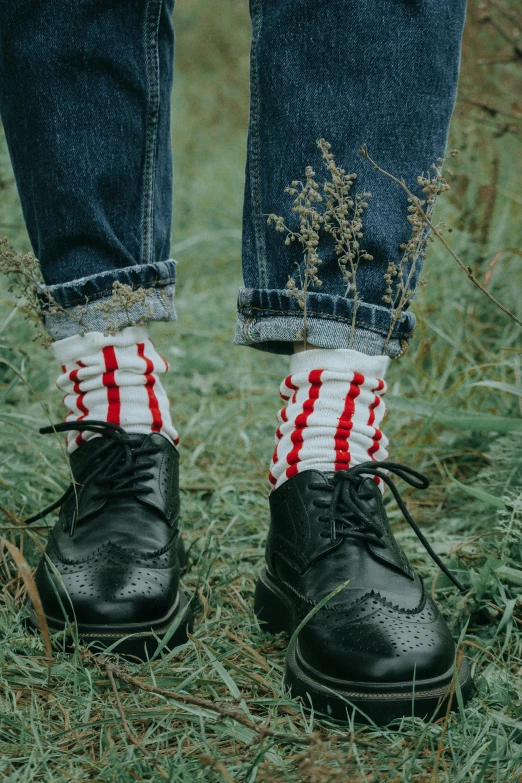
371, 419
271, 479
301, 421
279, 435
157, 420
82, 407
375, 444
73, 377
376, 401
109, 380
284, 417
345, 424
164, 361
373, 448
290, 385
80, 404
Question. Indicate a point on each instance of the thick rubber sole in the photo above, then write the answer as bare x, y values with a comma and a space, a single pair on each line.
343, 700
133, 640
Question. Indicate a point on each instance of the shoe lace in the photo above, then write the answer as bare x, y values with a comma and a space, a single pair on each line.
116, 474
348, 515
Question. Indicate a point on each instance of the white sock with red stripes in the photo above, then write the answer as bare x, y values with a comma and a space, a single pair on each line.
114, 378
332, 413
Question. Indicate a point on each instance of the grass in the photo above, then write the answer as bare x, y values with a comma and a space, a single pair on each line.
454, 412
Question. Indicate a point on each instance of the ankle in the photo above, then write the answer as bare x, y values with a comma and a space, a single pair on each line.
332, 414
115, 379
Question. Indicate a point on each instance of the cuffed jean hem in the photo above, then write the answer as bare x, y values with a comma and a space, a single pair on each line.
272, 321
96, 303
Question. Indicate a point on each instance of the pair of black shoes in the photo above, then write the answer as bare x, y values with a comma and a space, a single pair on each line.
372, 639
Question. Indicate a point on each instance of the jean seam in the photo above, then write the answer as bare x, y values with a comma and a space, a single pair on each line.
290, 314
244, 303
255, 143
85, 299
153, 15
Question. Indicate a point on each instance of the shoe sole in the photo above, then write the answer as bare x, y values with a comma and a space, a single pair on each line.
133, 640
343, 700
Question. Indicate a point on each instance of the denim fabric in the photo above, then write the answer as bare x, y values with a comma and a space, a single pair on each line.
270, 320
82, 302
85, 101
354, 73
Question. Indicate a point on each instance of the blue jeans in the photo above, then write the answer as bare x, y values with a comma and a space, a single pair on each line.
85, 92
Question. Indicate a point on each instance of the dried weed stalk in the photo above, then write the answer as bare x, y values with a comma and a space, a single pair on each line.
123, 299
25, 283
23, 280
338, 211
307, 196
399, 276
343, 220
341, 217
424, 216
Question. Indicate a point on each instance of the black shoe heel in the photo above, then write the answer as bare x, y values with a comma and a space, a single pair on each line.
271, 606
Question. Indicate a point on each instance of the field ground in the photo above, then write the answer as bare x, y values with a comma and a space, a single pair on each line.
454, 412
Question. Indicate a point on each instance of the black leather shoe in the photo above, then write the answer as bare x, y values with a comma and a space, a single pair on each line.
379, 644
113, 559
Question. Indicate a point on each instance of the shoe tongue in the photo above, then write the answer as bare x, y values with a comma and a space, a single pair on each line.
367, 488
139, 440
82, 457
85, 453
86, 459
369, 492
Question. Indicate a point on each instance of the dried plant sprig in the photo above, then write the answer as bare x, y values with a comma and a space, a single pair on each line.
22, 273
423, 216
306, 196
340, 216
122, 300
25, 283
399, 276
343, 220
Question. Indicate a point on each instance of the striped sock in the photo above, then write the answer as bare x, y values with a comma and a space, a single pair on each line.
332, 413
114, 378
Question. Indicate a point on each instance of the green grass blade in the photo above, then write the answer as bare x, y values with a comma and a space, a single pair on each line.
480, 494
460, 420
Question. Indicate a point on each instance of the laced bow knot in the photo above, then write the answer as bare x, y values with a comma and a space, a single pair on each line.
116, 471
348, 515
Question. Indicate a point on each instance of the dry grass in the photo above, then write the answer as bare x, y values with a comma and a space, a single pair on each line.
216, 710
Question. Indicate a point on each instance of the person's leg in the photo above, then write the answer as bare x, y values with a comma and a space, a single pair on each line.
85, 101
85, 104
384, 75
